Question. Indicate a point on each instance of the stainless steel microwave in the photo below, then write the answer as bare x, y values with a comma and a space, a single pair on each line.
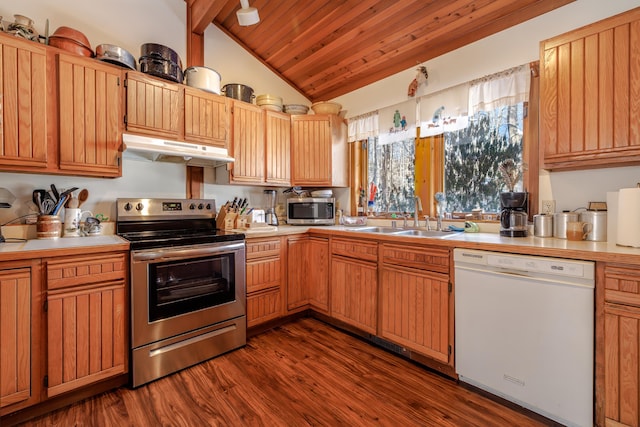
311, 210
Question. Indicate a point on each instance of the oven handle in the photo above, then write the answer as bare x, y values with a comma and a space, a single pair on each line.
177, 253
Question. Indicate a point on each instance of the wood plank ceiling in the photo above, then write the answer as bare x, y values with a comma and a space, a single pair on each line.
327, 48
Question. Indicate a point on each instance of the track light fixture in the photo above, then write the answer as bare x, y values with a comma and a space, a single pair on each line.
247, 15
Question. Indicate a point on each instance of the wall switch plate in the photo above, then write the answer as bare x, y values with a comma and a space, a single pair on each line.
548, 206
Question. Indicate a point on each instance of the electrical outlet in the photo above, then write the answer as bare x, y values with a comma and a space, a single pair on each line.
548, 206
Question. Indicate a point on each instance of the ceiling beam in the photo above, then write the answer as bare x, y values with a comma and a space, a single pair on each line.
203, 12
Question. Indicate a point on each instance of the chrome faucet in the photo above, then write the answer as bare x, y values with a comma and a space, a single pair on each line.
417, 208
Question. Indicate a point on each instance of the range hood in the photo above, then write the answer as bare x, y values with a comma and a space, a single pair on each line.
164, 150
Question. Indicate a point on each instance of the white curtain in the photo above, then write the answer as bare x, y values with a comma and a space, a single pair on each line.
444, 111
363, 127
398, 122
500, 90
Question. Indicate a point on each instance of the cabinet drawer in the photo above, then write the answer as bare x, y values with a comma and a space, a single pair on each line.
263, 273
420, 257
622, 285
353, 249
264, 306
263, 248
74, 271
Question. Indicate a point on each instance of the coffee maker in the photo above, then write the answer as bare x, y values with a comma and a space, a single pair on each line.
513, 214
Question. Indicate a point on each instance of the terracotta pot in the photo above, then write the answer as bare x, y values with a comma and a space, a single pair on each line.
72, 34
70, 46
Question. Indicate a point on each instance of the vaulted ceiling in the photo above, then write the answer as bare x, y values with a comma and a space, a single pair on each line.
326, 48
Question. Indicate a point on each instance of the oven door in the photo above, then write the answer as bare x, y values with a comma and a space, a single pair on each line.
180, 289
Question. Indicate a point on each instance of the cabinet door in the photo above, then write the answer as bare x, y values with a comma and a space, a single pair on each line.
15, 336
23, 105
278, 148
264, 281
247, 145
415, 310
90, 116
319, 274
297, 272
311, 150
154, 107
206, 117
588, 95
86, 335
354, 289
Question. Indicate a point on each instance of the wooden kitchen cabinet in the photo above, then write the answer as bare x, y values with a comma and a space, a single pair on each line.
590, 79
277, 148
318, 266
318, 150
89, 104
415, 299
155, 107
206, 117
618, 349
354, 283
20, 323
297, 273
247, 144
24, 106
87, 337
265, 280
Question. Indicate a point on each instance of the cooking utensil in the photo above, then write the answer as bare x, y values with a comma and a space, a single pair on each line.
162, 68
115, 55
70, 46
158, 51
55, 192
203, 78
83, 196
238, 91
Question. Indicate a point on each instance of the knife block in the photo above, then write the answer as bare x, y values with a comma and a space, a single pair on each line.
226, 220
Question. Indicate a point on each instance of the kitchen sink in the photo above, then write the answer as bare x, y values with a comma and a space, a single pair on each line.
429, 233
408, 232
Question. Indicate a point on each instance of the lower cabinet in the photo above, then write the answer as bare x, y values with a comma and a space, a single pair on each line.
20, 313
86, 320
415, 301
318, 277
618, 380
297, 273
354, 283
265, 280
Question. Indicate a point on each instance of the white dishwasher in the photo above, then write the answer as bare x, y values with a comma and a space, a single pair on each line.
524, 330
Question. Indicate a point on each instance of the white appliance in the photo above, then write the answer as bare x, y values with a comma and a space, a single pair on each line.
524, 330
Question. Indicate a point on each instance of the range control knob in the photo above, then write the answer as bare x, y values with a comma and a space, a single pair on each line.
192, 206
208, 206
139, 207
200, 206
128, 206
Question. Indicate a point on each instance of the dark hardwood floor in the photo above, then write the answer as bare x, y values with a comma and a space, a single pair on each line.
304, 373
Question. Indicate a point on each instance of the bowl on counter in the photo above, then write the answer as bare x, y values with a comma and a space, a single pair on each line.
326, 107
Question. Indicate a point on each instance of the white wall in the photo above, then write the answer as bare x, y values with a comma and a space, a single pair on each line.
131, 23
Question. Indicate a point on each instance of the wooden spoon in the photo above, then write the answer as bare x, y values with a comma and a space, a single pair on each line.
83, 196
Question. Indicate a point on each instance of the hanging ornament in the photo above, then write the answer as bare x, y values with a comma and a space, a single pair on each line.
421, 77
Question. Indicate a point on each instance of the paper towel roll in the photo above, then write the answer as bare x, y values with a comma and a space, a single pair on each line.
628, 218
612, 216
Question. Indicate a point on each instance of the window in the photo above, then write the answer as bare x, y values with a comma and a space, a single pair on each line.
391, 171
457, 153
472, 156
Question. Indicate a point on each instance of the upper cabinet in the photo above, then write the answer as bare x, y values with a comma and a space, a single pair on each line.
155, 107
318, 151
206, 117
247, 144
23, 106
89, 104
277, 148
589, 95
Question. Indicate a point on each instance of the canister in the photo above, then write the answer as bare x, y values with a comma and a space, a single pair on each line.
598, 220
48, 227
560, 220
543, 225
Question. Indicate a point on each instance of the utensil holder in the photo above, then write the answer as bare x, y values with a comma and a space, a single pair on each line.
48, 227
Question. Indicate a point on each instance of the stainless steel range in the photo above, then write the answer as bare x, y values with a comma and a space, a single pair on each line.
188, 292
